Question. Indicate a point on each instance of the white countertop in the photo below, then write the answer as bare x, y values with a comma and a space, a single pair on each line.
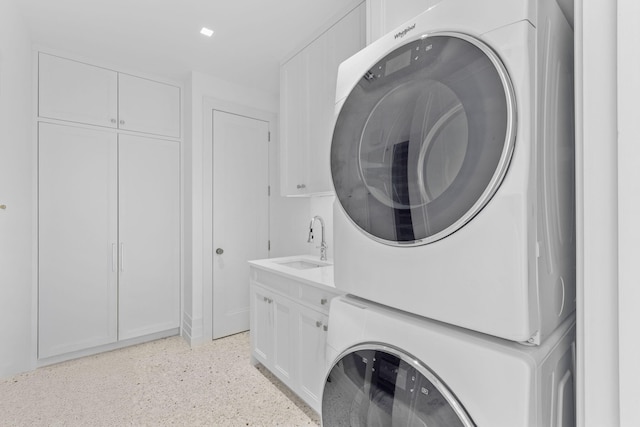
315, 276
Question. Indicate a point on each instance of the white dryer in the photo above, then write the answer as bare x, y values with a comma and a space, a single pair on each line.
392, 368
453, 165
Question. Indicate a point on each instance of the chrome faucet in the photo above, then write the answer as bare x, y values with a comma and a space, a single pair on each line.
323, 243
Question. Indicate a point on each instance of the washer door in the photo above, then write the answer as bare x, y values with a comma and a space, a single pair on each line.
424, 139
375, 386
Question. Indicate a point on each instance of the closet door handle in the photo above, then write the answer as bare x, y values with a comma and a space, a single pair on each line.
114, 257
121, 256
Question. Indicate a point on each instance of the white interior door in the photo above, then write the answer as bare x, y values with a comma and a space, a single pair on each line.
240, 214
77, 222
149, 234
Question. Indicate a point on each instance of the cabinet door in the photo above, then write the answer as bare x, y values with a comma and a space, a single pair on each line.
77, 92
149, 227
283, 313
294, 114
312, 337
320, 101
308, 86
325, 54
77, 225
261, 326
148, 106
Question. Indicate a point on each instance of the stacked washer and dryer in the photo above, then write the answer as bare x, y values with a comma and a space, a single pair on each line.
453, 165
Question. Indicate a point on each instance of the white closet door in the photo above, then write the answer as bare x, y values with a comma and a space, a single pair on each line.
77, 219
148, 106
149, 196
77, 92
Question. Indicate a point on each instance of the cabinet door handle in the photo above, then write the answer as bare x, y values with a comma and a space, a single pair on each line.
113, 120
318, 323
121, 256
121, 122
301, 186
323, 301
325, 327
114, 257
265, 299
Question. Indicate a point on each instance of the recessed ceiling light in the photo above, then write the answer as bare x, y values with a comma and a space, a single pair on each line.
207, 32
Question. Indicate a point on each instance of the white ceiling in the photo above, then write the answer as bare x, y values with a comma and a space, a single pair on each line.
162, 37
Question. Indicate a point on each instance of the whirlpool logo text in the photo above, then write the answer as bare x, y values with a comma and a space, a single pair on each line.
404, 32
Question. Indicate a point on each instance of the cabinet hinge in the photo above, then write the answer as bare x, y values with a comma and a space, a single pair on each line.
268, 245
269, 136
268, 190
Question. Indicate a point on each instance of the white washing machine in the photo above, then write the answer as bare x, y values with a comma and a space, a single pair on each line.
453, 165
392, 368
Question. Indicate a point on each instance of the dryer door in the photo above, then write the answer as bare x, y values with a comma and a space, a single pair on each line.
424, 139
375, 386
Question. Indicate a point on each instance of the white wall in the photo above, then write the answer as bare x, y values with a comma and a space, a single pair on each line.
16, 192
323, 206
597, 214
628, 210
286, 215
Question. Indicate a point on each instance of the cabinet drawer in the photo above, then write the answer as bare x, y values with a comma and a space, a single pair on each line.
317, 298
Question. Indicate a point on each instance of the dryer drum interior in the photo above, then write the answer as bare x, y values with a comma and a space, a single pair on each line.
424, 139
374, 385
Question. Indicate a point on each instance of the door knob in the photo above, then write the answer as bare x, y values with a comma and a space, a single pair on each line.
219, 251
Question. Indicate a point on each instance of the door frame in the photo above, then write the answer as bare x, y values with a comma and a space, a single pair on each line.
209, 105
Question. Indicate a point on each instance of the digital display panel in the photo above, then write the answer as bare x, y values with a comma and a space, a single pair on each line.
398, 63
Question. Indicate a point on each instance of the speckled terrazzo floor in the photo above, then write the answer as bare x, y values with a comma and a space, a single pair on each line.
160, 383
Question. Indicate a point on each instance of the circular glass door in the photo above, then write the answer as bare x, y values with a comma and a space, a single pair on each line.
376, 386
424, 139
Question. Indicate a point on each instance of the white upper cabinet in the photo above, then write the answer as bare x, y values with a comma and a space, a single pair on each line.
307, 102
148, 106
386, 15
77, 92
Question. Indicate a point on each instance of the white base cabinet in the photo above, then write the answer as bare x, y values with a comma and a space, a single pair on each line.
289, 324
272, 329
312, 338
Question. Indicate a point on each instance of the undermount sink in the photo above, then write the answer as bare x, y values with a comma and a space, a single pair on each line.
303, 264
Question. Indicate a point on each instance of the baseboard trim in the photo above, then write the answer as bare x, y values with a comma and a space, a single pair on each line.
193, 334
107, 347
